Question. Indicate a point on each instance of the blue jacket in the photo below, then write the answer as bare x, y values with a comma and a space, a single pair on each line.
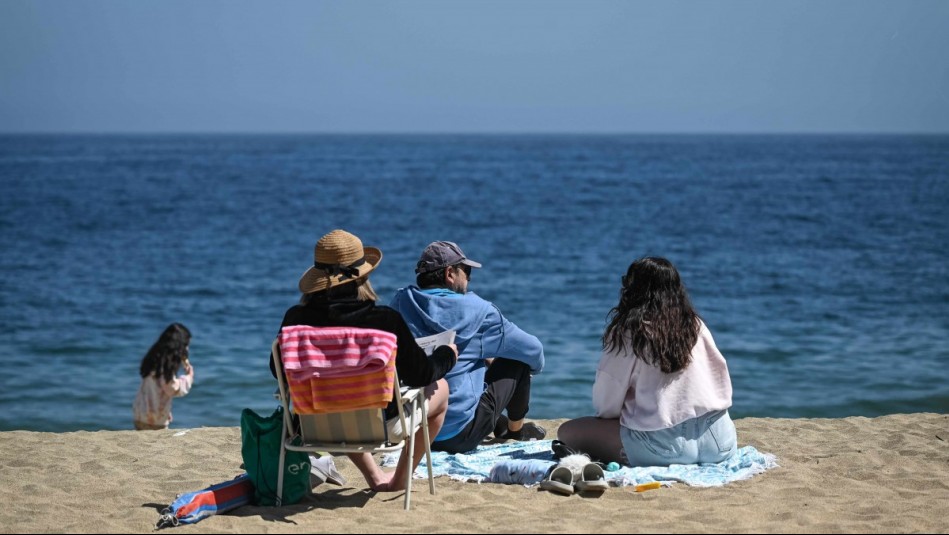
481, 332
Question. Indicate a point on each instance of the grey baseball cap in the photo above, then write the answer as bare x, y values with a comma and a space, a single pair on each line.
441, 254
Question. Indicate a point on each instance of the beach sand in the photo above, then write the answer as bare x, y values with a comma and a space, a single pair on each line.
886, 474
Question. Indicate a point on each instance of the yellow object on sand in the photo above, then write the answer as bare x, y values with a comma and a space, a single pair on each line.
648, 486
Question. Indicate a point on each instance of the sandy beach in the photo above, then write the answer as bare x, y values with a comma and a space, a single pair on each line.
886, 474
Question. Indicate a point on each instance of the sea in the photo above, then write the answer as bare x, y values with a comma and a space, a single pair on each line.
819, 262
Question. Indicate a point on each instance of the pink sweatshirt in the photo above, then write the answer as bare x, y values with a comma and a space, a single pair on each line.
646, 399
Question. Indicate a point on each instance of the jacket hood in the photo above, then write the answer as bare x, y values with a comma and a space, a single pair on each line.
434, 311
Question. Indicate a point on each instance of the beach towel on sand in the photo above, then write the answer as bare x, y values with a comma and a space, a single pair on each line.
524, 463
192, 507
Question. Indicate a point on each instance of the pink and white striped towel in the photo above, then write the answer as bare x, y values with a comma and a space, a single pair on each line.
324, 352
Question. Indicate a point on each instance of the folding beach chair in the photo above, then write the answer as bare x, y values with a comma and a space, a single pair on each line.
358, 430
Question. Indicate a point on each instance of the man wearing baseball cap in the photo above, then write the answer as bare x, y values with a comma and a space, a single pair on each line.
495, 357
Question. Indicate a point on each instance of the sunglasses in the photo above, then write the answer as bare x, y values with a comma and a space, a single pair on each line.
466, 269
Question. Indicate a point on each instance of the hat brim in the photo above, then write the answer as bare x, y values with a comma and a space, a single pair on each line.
469, 262
315, 280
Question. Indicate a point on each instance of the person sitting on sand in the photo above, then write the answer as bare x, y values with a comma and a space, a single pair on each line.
152, 406
662, 388
497, 358
337, 293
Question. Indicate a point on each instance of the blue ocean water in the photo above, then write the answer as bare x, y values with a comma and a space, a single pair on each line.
818, 262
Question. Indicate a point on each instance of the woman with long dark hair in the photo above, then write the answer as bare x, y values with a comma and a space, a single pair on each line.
662, 388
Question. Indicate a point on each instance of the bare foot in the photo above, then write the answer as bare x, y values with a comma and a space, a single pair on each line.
382, 482
395, 485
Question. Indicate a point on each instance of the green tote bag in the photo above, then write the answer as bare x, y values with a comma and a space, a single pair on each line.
260, 448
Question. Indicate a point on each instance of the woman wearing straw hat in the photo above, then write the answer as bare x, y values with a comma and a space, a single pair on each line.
336, 293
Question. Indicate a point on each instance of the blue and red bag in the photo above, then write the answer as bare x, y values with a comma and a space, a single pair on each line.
193, 507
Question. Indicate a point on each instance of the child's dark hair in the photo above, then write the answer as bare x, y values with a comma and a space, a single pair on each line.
167, 354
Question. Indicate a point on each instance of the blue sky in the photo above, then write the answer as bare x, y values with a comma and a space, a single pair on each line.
458, 66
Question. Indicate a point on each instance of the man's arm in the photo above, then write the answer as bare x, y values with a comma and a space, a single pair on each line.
415, 367
502, 338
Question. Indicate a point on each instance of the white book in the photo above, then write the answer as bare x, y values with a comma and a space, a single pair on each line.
429, 343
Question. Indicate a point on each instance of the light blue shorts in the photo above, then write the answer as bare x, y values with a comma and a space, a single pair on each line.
709, 438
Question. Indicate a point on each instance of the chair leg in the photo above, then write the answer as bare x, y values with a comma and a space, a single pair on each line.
428, 448
408, 476
283, 456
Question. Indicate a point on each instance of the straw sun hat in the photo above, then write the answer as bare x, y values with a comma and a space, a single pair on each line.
339, 258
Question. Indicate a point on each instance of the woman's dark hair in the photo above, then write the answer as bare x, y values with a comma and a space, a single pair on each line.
654, 316
167, 354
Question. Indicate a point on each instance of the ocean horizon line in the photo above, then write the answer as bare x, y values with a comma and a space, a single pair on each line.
472, 134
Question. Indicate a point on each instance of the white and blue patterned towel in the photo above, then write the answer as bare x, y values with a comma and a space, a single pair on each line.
527, 462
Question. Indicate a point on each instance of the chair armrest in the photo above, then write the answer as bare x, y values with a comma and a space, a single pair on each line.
409, 394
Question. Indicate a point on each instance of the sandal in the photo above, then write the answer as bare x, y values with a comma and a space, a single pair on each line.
529, 431
592, 479
560, 481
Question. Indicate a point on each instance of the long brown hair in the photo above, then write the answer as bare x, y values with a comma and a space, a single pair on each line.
167, 354
654, 316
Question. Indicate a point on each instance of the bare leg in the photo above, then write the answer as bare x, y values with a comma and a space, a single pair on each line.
375, 477
597, 437
437, 396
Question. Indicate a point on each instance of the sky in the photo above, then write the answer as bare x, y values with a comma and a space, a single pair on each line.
584, 66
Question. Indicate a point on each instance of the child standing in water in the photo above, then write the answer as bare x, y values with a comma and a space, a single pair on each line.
152, 407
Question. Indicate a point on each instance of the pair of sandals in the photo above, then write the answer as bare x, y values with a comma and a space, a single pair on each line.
561, 480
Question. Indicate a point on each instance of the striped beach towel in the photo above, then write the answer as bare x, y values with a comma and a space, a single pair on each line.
332, 369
